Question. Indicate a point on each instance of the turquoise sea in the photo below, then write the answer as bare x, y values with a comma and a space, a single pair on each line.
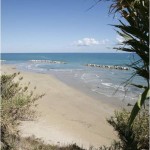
71, 69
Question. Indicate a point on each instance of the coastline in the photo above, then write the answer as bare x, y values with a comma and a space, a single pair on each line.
66, 115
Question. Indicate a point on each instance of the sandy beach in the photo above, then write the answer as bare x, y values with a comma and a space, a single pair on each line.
66, 115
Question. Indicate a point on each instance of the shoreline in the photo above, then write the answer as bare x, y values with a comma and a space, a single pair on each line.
114, 102
66, 115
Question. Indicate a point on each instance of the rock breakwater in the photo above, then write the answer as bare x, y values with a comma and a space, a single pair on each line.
48, 61
108, 66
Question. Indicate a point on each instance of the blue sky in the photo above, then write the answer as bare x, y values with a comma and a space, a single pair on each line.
56, 26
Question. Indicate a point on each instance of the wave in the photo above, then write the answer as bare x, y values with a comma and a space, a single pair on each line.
120, 88
107, 84
48, 61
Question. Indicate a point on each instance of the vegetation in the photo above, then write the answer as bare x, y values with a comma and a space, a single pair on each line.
135, 138
134, 28
16, 103
32, 143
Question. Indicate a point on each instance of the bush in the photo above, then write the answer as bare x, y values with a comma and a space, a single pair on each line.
135, 138
16, 103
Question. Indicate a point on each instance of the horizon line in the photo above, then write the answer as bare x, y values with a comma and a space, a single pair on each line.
59, 52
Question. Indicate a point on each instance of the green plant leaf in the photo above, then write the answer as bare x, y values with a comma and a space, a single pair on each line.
138, 105
139, 86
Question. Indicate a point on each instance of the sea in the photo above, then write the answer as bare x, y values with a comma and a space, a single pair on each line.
82, 71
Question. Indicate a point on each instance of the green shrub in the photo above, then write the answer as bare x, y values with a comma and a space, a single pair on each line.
135, 138
16, 103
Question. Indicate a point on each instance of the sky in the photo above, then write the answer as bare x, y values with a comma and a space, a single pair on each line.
57, 26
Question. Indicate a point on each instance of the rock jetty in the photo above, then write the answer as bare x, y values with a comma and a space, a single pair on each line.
48, 61
108, 66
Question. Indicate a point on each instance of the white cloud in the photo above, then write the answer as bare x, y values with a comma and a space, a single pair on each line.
119, 38
90, 42
104, 41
